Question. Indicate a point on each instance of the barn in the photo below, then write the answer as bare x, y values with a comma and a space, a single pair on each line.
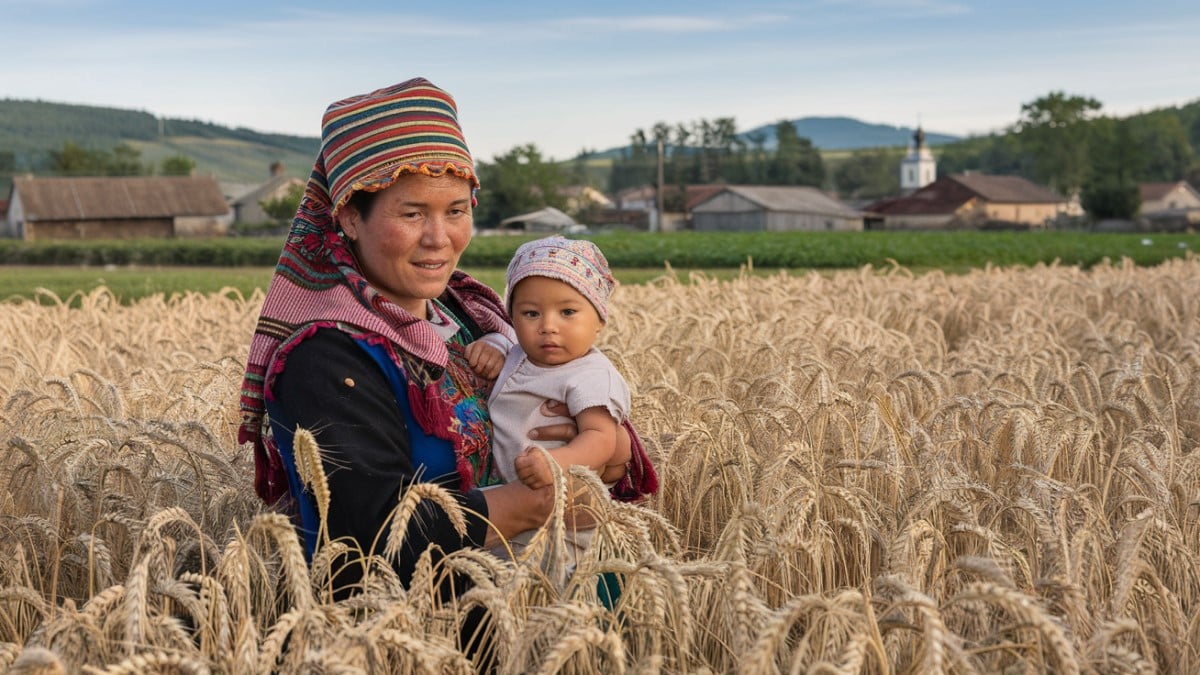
971, 201
115, 207
772, 208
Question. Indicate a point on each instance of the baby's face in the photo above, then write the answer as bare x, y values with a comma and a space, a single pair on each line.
554, 322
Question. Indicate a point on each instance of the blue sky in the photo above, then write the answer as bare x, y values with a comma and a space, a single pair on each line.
566, 76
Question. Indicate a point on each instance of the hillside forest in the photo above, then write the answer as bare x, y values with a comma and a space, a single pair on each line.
1061, 140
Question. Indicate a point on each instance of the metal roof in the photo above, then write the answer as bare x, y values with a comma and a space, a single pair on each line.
113, 197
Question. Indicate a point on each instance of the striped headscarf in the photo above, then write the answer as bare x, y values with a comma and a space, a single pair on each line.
367, 141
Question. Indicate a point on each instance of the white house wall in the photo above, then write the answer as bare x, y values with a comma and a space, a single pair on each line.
747, 221
811, 222
201, 226
15, 218
1178, 199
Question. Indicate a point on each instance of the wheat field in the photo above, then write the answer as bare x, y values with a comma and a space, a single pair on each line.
868, 471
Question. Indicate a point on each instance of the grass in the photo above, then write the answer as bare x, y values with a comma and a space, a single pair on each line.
130, 283
127, 283
135, 269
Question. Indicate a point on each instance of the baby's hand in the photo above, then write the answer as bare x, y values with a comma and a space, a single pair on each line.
533, 469
484, 359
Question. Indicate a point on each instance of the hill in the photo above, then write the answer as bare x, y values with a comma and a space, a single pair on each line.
846, 133
29, 130
827, 134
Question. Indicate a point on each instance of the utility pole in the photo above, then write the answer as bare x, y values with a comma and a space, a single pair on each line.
657, 224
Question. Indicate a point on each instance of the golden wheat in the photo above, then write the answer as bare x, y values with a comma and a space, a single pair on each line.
864, 471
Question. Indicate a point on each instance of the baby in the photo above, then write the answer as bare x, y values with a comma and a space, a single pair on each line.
557, 293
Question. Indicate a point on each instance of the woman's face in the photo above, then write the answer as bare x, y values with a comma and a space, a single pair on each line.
410, 242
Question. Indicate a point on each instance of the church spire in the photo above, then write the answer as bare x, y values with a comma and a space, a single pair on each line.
918, 168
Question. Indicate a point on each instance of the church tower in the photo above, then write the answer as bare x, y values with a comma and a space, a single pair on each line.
918, 168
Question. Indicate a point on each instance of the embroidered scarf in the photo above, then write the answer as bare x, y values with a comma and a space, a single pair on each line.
317, 283
367, 141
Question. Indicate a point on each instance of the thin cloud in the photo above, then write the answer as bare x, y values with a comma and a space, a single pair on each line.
670, 23
908, 7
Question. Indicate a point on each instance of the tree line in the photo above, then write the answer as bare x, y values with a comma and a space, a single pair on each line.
123, 159
1060, 140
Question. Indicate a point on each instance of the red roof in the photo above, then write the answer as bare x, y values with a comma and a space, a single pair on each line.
949, 193
698, 193
1152, 192
942, 196
1007, 189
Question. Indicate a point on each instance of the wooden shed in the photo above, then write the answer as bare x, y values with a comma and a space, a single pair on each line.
772, 208
115, 207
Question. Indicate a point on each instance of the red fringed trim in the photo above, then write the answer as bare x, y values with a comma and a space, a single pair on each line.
270, 478
641, 480
437, 419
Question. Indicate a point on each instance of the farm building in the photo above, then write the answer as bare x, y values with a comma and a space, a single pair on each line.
1170, 205
117, 207
772, 208
247, 205
548, 219
247, 208
970, 200
638, 206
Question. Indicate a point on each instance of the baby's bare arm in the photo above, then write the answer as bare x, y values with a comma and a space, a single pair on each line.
596, 443
594, 447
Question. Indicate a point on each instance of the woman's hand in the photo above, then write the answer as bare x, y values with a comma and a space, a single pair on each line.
533, 468
563, 431
514, 508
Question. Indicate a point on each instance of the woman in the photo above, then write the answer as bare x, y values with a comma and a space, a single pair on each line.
362, 334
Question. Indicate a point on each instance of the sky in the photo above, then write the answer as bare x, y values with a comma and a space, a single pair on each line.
568, 76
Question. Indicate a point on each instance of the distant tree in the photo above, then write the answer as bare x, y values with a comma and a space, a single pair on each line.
177, 165
1000, 154
756, 162
796, 160
75, 160
1164, 152
516, 182
281, 209
635, 167
1111, 190
1054, 131
1111, 197
868, 174
1193, 175
125, 160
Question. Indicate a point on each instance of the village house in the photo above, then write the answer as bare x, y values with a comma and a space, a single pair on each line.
772, 208
585, 198
1170, 205
247, 205
970, 201
115, 207
643, 201
546, 220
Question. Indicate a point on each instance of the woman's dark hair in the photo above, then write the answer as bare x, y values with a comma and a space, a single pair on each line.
362, 201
